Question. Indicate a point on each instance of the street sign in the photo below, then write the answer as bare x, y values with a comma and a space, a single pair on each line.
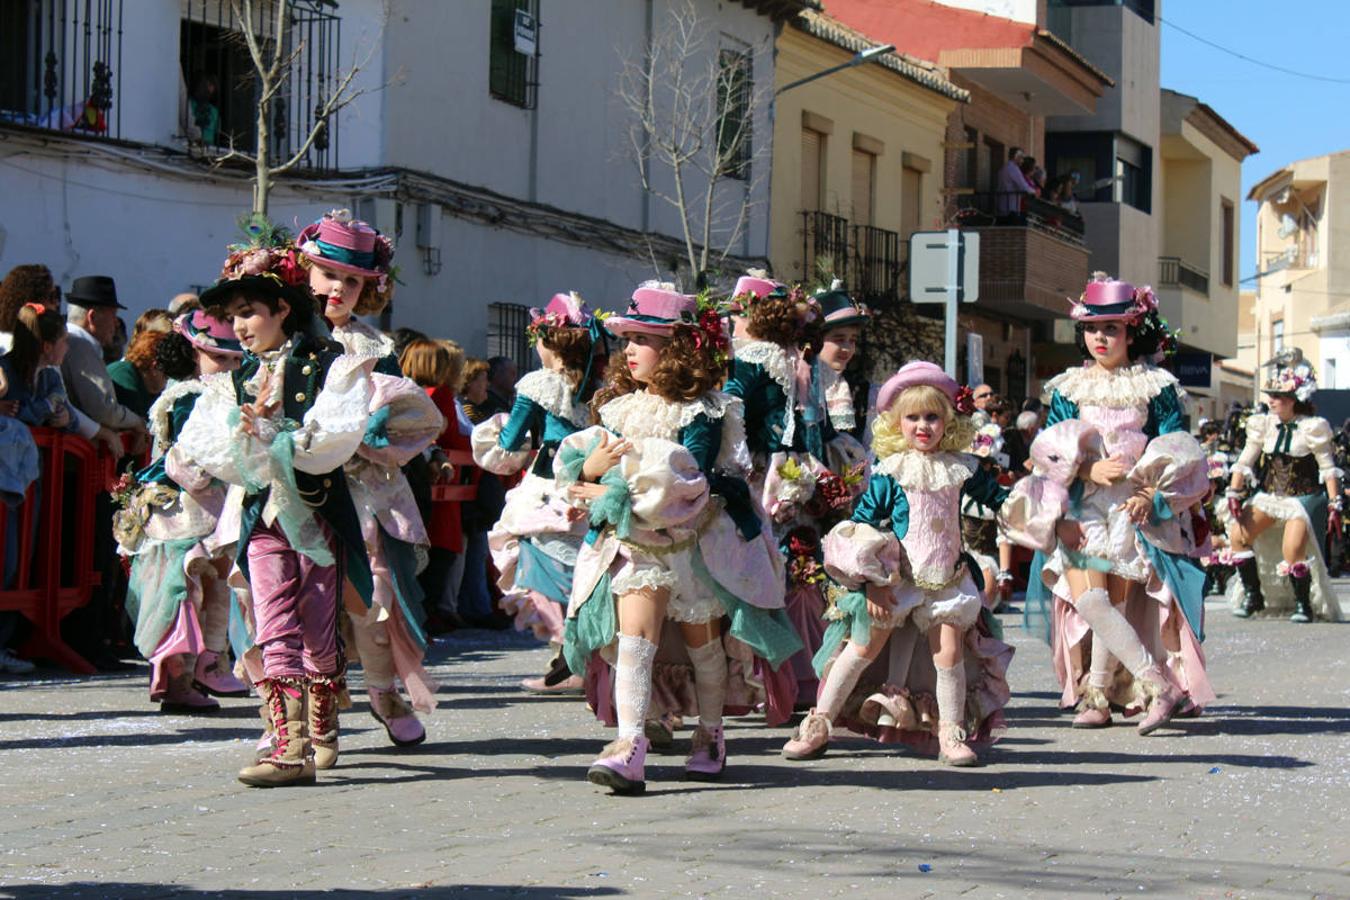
944, 267
527, 33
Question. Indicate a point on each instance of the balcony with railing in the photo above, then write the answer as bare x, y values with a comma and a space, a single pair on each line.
995, 209
1175, 271
825, 245
875, 271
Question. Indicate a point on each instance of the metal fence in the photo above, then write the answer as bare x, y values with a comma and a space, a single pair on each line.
1173, 270
824, 242
1018, 210
876, 265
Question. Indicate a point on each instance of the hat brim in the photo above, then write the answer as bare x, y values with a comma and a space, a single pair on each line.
827, 325
621, 326
219, 294
92, 302
348, 268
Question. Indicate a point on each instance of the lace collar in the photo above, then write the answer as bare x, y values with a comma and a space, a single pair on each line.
359, 339
162, 411
553, 392
838, 397
781, 365
640, 414
1128, 386
916, 470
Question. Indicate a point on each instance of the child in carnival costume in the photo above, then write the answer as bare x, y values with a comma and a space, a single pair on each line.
1276, 533
805, 473
351, 274
535, 542
841, 326
979, 526
282, 427
679, 557
1117, 535
920, 662
170, 527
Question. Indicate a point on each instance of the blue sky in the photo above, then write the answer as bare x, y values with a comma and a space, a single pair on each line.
1288, 117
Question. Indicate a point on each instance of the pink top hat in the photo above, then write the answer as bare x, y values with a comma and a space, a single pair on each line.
912, 375
207, 333
656, 308
750, 287
338, 241
562, 311
1105, 300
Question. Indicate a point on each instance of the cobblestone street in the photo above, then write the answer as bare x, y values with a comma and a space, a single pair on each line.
105, 797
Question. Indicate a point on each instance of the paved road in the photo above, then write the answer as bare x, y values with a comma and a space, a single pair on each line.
101, 796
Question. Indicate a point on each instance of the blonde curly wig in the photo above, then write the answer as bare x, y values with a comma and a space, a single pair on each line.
888, 438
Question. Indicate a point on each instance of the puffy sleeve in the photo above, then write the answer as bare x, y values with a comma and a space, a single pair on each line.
489, 451
1029, 514
1318, 433
866, 548
404, 421
703, 439
1165, 413
655, 485
212, 439
526, 416
1060, 409
1176, 467
335, 426
1251, 451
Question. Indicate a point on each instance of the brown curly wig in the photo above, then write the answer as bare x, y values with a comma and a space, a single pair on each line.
573, 347
24, 284
685, 372
372, 300
777, 320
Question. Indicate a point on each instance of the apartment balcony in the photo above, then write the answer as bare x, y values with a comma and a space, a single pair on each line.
825, 246
876, 265
1175, 271
1032, 256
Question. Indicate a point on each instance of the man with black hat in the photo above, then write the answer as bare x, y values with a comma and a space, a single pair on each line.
91, 320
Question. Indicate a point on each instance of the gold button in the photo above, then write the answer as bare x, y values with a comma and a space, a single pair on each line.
307, 370
328, 482
300, 397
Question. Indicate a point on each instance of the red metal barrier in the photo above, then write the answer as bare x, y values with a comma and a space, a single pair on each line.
55, 574
462, 460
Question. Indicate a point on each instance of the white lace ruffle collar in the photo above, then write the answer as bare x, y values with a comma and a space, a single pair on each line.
553, 392
916, 470
359, 339
641, 415
838, 396
1130, 386
162, 411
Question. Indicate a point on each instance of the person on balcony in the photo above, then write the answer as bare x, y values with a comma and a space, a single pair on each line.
1011, 187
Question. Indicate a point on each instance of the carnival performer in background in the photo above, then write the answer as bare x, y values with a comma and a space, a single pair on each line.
535, 542
282, 426
804, 473
1117, 541
175, 527
979, 526
679, 558
350, 268
908, 588
1298, 490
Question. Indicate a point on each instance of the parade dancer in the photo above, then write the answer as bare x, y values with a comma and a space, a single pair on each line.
170, 528
679, 558
282, 426
535, 542
1298, 490
805, 473
1120, 565
350, 272
907, 584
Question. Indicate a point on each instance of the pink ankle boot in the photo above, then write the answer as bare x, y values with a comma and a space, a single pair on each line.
622, 767
397, 717
1166, 698
1094, 711
811, 738
952, 748
213, 676
707, 755
184, 698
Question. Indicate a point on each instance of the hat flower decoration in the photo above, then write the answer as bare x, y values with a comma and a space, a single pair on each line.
1106, 299
342, 242
266, 258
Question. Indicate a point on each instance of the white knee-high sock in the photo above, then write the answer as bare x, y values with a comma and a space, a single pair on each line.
1113, 630
839, 683
1099, 676
377, 657
710, 681
951, 695
215, 614
633, 684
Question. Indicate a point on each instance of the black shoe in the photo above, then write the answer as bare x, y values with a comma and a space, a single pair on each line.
1302, 585
1253, 600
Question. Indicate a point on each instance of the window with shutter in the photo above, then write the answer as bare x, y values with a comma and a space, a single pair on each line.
864, 180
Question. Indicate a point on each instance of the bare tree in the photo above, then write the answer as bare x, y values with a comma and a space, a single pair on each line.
693, 105
273, 61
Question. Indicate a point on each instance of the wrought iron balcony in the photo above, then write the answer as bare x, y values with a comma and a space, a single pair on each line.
876, 265
1173, 270
825, 245
993, 209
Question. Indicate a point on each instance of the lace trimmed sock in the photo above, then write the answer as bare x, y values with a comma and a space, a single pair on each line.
1115, 633
844, 674
1099, 676
710, 681
951, 696
633, 684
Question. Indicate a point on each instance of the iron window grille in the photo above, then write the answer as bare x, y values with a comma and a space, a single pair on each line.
825, 246
513, 76
876, 269
734, 85
212, 51
61, 65
507, 334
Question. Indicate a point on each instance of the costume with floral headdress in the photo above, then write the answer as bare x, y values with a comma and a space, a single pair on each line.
179, 532
901, 548
1135, 414
388, 638
676, 515
535, 541
1289, 466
